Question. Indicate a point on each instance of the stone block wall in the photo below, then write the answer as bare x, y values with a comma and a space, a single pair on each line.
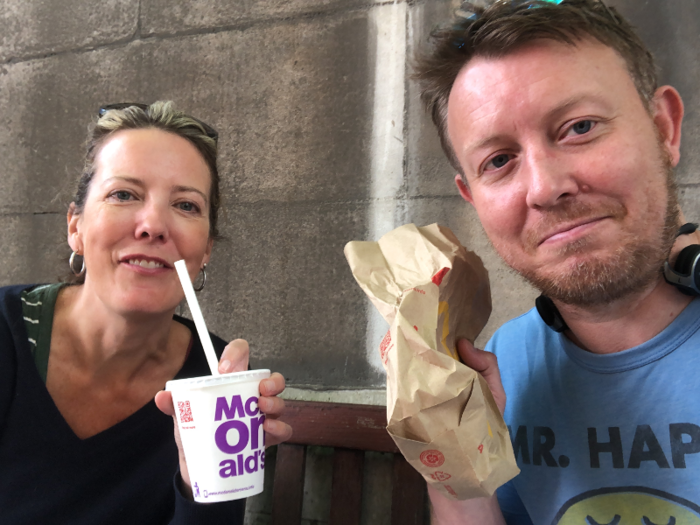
323, 141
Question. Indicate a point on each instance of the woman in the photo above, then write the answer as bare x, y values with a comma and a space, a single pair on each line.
81, 439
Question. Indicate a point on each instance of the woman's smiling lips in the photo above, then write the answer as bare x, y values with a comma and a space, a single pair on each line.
143, 262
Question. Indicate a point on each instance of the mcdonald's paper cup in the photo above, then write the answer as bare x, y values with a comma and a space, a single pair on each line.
222, 434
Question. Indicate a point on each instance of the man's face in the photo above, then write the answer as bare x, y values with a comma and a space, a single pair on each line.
568, 171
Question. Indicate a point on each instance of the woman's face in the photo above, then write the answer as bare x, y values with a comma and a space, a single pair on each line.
147, 207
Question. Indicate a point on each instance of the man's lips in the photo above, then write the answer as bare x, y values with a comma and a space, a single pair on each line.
564, 230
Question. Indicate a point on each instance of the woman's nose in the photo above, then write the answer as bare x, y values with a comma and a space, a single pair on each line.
550, 180
152, 222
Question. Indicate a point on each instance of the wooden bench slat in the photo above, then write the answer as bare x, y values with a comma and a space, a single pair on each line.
346, 492
407, 495
361, 427
350, 430
288, 488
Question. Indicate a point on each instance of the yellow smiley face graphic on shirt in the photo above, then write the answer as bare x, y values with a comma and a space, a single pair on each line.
628, 506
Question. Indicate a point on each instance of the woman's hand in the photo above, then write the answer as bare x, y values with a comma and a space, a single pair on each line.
235, 359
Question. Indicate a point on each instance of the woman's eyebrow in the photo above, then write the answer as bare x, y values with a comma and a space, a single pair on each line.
180, 189
124, 178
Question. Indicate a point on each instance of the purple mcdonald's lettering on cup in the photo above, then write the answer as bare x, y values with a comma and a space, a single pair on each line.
248, 408
221, 437
224, 410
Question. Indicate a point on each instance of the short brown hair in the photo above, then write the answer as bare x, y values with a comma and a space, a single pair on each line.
506, 26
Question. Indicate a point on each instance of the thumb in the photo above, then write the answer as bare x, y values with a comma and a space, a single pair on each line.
486, 364
164, 402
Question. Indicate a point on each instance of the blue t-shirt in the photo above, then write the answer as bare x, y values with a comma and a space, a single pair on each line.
602, 439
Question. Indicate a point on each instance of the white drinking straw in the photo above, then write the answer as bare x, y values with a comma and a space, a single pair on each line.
197, 315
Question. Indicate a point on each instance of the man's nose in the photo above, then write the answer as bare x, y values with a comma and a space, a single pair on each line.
152, 222
549, 180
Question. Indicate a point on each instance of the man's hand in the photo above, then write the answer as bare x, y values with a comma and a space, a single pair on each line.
477, 511
486, 364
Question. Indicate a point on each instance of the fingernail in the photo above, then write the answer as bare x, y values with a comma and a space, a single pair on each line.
271, 424
264, 386
225, 366
264, 404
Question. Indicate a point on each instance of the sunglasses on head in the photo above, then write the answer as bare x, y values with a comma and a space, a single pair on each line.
466, 14
210, 132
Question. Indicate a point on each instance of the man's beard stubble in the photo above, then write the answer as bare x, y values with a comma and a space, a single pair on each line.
631, 268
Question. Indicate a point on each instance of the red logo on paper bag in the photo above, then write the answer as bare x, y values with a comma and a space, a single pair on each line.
450, 490
440, 476
384, 346
432, 458
481, 448
438, 277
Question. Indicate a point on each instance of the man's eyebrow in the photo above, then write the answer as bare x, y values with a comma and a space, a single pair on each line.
556, 111
567, 104
487, 143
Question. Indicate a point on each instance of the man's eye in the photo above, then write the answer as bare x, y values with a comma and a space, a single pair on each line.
498, 161
582, 127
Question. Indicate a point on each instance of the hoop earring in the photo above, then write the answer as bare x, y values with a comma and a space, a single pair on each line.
72, 269
203, 271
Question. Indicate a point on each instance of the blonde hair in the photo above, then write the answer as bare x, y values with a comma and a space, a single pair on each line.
159, 115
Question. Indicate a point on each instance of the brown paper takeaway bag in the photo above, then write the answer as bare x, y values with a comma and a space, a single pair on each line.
441, 414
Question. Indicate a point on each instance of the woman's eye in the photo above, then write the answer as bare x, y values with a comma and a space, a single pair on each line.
582, 127
188, 207
498, 161
122, 195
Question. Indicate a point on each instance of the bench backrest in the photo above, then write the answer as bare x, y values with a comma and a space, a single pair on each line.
350, 430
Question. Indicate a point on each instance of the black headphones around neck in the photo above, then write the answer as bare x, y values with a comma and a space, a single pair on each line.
685, 275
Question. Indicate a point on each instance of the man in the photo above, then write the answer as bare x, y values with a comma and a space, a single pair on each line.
565, 146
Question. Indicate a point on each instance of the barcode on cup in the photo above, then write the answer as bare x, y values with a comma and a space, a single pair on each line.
185, 411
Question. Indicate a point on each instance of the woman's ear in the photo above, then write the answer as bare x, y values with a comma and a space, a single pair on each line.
668, 117
74, 230
207, 253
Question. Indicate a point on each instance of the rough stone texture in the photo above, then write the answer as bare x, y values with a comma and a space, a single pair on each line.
32, 28
376, 396
293, 110
33, 248
673, 35
294, 89
281, 281
689, 197
165, 17
428, 171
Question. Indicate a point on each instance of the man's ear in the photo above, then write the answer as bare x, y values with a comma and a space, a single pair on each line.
668, 116
464, 190
74, 231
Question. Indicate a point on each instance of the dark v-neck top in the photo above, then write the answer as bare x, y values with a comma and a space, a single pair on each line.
127, 474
